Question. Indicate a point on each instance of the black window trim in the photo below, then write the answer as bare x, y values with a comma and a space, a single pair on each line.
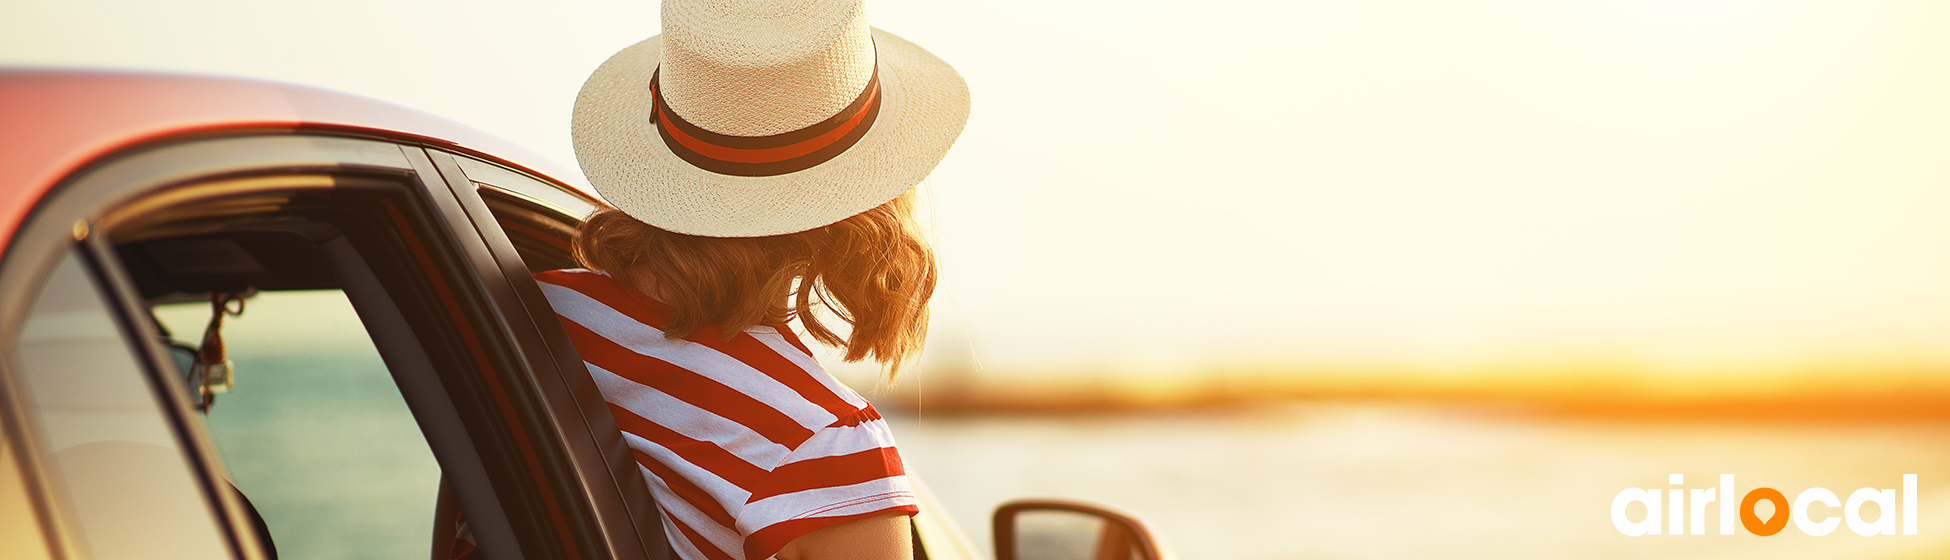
608, 471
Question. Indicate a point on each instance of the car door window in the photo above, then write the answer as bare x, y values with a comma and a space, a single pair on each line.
375, 225
392, 240
121, 474
306, 286
314, 432
355, 361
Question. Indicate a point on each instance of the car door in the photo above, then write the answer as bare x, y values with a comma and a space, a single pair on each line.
577, 417
393, 227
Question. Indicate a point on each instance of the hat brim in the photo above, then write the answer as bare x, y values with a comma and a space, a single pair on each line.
924, 107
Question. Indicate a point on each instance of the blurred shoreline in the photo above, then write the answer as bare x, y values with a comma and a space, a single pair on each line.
1851, 396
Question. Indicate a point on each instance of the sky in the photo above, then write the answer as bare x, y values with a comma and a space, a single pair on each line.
1668, 187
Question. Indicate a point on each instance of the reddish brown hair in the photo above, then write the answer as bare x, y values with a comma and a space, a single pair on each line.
873, 271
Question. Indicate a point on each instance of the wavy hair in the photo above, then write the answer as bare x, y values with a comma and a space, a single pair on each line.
873, 271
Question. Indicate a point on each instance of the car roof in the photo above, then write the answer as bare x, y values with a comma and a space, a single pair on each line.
53, 121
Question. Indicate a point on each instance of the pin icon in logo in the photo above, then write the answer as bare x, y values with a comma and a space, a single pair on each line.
1775, 522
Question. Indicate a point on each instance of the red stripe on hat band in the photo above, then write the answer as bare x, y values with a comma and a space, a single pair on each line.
777, 154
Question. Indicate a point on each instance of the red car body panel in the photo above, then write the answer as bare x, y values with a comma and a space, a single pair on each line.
52, 122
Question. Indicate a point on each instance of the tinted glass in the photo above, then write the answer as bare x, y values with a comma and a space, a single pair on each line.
20, 527
315, 433
125, 483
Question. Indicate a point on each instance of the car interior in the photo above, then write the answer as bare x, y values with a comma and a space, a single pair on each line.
286, 257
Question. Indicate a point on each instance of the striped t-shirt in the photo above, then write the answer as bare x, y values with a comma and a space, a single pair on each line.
747, 443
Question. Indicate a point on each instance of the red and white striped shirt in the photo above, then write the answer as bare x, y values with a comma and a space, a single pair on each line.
747, 443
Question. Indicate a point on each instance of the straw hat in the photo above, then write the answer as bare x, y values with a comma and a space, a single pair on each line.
751, 118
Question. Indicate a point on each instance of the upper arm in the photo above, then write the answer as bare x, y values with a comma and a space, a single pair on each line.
881, 537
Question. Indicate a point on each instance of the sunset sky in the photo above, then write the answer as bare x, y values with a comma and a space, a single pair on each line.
1667, 187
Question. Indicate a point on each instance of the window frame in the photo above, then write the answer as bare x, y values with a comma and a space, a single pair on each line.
584, 416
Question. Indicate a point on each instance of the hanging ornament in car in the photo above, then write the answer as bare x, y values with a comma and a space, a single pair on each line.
213, 373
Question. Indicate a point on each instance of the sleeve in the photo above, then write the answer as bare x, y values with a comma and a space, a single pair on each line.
846, 471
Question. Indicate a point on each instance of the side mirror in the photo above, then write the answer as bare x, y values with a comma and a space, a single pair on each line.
1065, 530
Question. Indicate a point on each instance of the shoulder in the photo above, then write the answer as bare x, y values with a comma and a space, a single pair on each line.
579, 293
573, 278
780, 361
587, 282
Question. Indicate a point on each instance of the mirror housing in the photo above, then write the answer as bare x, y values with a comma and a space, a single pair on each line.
1045, 529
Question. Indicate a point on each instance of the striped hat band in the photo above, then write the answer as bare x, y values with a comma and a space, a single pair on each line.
765, 156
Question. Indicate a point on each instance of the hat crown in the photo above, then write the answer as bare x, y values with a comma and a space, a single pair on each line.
763, 67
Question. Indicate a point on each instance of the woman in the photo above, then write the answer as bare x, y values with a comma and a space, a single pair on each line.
760, 158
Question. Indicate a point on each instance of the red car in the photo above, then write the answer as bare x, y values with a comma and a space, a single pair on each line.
127, 199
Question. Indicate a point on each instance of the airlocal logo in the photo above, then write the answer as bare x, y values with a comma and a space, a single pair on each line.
1676, 510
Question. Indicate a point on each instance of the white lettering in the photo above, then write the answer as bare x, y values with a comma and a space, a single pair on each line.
1701, 497
1885, 523
1671, 518
1801, 520
1678, 512
1909, 504
1648, 526
1730, 508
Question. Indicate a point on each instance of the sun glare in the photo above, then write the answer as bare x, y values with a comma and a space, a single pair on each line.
1674, 32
